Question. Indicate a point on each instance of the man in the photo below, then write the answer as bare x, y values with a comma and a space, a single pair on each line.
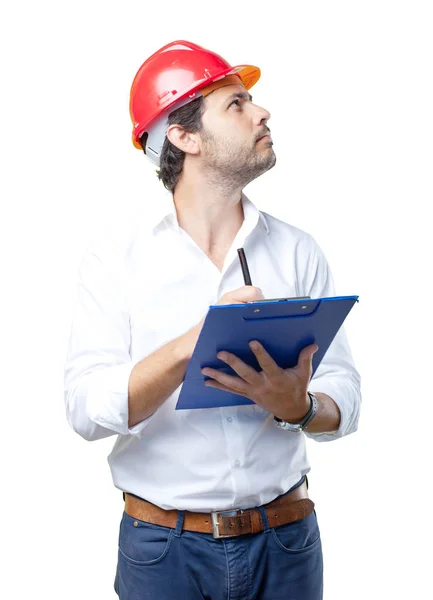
216, 500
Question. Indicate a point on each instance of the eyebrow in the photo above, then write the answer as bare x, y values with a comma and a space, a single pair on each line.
240, 96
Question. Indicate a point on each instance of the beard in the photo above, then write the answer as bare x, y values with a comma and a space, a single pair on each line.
233, 165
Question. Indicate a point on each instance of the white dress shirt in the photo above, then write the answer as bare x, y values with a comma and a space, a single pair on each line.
151, 284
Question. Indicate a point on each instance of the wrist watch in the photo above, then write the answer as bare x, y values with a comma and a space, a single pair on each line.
303, 424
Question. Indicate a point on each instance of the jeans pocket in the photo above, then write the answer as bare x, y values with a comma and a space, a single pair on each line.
298, 536
142, 543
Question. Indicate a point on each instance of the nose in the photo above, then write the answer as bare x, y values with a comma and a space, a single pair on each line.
261, 115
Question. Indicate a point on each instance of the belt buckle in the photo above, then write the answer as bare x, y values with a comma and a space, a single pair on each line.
215, 524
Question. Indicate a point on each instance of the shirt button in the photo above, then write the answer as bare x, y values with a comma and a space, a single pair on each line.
229, 419
237, 463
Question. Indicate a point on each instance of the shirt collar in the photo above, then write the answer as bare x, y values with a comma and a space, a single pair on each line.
167, 215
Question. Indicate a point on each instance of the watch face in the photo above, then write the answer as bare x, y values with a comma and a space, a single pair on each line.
289, 426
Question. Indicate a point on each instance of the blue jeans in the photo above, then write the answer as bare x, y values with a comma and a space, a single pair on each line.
159, 563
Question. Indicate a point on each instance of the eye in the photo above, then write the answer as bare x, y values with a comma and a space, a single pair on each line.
236, 102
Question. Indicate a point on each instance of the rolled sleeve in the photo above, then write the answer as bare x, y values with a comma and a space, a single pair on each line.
336, 375
98, 364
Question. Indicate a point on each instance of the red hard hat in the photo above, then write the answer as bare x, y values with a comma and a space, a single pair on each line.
173, 74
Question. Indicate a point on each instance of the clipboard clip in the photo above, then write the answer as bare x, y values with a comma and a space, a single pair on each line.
280, 299
280, 310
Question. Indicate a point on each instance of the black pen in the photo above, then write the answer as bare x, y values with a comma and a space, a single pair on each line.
244, 265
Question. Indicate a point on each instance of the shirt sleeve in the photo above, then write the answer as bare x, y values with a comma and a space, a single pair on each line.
336, 375
98, 363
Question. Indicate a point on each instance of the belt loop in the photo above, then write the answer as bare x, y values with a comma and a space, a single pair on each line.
264, 518
179, 523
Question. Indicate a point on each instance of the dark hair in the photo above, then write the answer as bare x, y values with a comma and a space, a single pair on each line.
172, 159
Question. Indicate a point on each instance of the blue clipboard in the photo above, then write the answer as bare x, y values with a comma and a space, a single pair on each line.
282, 326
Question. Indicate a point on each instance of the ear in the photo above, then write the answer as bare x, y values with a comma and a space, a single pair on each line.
184, 140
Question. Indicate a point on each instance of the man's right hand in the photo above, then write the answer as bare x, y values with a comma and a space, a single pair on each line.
242, 295
159, 374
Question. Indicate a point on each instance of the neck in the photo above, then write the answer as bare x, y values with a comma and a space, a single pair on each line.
210, 214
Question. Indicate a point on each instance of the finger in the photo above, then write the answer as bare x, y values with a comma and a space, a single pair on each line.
305, 358
244, 371
224, 388
234, 383
264, 359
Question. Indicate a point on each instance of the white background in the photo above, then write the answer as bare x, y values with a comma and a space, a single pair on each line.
349, 87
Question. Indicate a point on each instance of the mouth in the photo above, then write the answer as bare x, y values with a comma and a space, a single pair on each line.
267, 136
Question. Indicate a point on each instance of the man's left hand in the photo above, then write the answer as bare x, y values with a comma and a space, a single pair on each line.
282, 392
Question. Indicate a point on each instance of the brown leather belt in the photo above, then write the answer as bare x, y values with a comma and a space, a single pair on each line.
227, 523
